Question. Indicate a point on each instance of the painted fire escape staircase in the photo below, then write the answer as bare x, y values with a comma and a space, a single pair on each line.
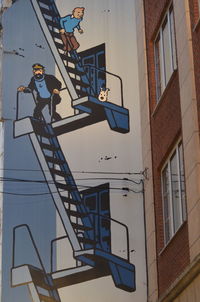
93, 259
77, 80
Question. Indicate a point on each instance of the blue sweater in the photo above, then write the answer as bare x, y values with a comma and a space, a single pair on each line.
69, 24
42, 88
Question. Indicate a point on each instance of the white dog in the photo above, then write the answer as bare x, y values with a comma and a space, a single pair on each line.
103, 95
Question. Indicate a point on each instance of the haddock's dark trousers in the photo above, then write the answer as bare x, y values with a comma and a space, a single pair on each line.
41, 103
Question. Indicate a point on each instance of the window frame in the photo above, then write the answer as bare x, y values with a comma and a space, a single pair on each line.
160, 75
182, 201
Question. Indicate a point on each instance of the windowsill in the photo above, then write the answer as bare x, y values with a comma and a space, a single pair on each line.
196, 27
172, 239
159, 102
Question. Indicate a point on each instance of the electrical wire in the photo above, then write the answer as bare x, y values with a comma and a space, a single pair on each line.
77, 179
76, 186
72, 186
81, 172
50, 193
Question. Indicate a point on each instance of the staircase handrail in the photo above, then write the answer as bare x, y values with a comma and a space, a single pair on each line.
105, 217
28, 90
32, 240
118, 222
52, 242
108, 72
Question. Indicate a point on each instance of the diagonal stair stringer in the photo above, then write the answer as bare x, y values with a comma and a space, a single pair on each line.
54, 50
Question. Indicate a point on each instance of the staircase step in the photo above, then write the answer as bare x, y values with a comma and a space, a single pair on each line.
53, 24
28, 273
75, 213
44, 2
68, 58
59, 173
42, 132
80, 83
53, 160
46, 11
81, 93
59, 45
40, 278
70, 200
48, 147
75, 71
81, 227
86, 240
46, 298
63, 186
53, 33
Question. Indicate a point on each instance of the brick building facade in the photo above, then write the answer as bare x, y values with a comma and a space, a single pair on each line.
169, 75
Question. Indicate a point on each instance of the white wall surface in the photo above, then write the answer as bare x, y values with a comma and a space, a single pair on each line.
113, 23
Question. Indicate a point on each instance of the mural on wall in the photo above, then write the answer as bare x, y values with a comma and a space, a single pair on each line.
68, 24
48, 90
85, 215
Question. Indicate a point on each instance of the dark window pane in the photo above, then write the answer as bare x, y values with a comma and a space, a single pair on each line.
105, 201
89, 60
167, 51
159, 67
182, 181
175, 192
166, 204
90, 202
101, 60
171, 16
105, 223
101, 75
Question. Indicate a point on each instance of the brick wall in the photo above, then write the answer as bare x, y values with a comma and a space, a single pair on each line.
165, 121
195, 28
173, 259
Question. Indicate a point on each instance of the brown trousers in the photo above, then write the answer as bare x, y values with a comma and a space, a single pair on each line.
69, 41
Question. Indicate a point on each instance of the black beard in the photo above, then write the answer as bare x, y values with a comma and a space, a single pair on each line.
38, 76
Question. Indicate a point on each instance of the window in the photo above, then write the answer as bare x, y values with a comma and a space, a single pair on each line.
165, 52
173, 193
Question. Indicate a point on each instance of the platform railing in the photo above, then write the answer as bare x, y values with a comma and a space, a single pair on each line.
127, 257
32, 241
90, 67
119, 223
29, 91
